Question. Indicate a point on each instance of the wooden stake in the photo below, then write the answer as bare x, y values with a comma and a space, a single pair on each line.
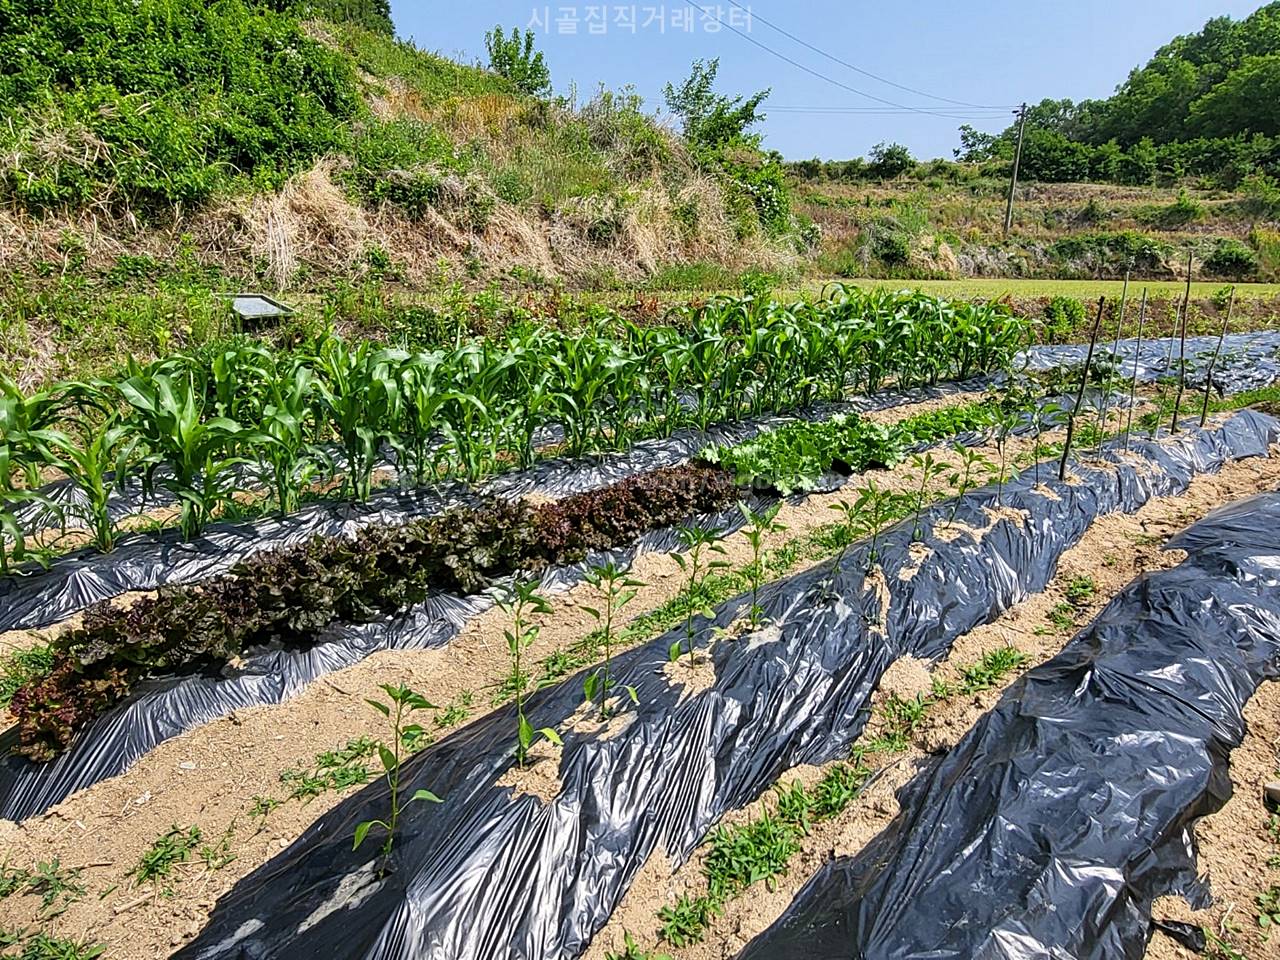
1182, 355
1084, 380
1137, 356
1213, 362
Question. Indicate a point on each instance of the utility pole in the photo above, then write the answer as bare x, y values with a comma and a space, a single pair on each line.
1017, 159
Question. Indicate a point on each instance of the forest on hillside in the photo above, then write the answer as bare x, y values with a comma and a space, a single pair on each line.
1207, 104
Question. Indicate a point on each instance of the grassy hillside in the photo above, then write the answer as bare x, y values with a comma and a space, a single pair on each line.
922, 227
158, 153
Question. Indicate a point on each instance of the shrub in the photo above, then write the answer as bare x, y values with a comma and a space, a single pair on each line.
373, 15
1111, 251
891, 247
403, 162
1231, 258
164, 102
889, 160
1182, 211
1062, 316
1267, 243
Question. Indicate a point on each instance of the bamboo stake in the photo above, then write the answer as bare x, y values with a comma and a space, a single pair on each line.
1115, 350
1213, 362
1182, 355
1084, 380
1137, 355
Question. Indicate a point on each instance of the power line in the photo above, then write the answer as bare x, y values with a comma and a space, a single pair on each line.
809, 70
886, 111
866, 73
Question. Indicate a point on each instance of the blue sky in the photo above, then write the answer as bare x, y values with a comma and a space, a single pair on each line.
994, 53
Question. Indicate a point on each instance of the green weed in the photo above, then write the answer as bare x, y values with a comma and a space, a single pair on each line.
1268, 903
171, 848
44, 947
219, 855
1063, 616
1081, 590
262, 807
456, 712
56, 887
741, 856
989, 671
686, 921
333, 770
631, 951
1219, 948
21, 668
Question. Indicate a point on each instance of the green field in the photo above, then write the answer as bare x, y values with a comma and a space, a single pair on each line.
1081, 289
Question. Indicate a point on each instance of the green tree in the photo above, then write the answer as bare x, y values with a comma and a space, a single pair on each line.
515, 58
889, 160
717, 130
976, 146
710, 121
1246, 101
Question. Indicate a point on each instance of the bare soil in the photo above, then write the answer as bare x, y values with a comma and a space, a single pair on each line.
1239, 845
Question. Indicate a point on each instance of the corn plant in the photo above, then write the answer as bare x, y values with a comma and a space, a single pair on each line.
291, 460
631, 385
708, 373
13, 538
477, 412
165, 427
22, 420
696, 541
616, 590
930, 469
421, 394
361, 396
521, 600
536, 405
586, 368
964, 479
21, 416
404, 702
94, 467
671, 358
236, 377
759, 526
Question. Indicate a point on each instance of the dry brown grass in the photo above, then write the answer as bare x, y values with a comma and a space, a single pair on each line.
313, 222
